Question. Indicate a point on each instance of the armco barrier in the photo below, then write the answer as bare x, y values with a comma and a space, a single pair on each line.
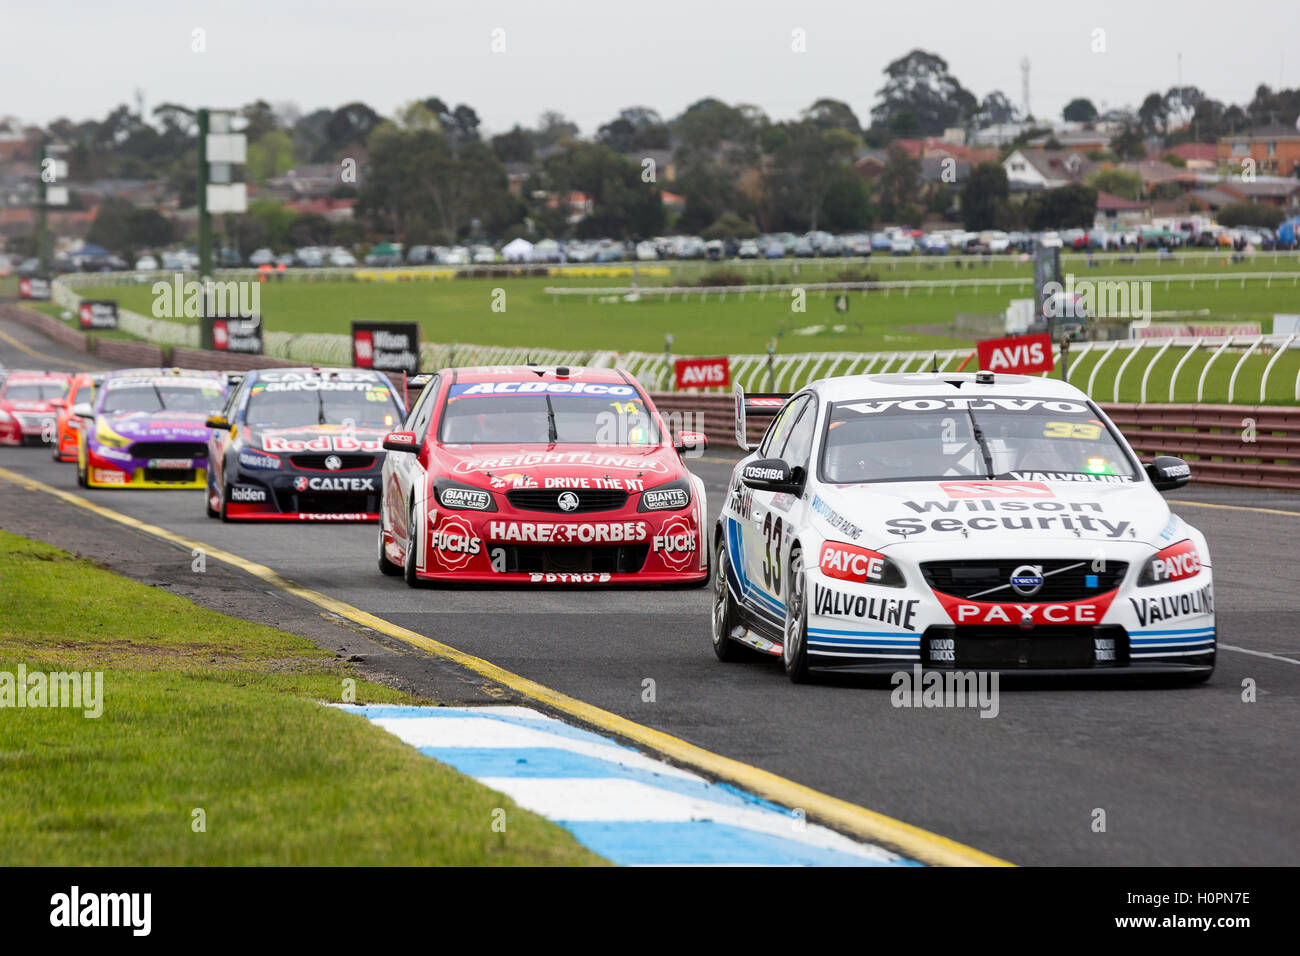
1252, 445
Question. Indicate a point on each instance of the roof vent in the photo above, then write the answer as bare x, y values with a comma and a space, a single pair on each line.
984, 378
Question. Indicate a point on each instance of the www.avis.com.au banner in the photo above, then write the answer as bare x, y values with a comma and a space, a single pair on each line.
386, 346
97, 315
237, 333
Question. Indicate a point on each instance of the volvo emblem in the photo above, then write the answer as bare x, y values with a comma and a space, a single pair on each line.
1027, 580
333, 462
568, 501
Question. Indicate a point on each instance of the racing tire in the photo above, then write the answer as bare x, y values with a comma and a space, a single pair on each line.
412, 551
225, 498
794, 636
724, 616
81, 474
207, 501
386, 567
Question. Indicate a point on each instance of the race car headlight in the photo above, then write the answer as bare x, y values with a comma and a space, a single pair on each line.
1178, 562
106, 436
454, 496
259, 460
852, 562
5, 416
670, 497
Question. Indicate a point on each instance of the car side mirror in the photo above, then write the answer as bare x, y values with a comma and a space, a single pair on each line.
218, 422
773, 474
688, 442
1168, 473
83, 410
402, 441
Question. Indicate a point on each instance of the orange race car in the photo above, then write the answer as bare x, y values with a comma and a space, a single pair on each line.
82, 390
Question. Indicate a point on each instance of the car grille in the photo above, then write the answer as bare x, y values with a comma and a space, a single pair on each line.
971, 578
537, 499
169, 449
331, 503
317, 462
613, 559
33, 419
171, 475
1011, 648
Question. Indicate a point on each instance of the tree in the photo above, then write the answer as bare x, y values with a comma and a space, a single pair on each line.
1250, 214
847, 206
803, 168
920, 84
122, 227
827, 114
997, 109
622, 205
1066, 207
260, 120
1153, 115
350, 125
900, 182
1118, 182
272, 155
1129, 144
442, 179
984, 197
1079, 110
553, 128
515, 146
730, 226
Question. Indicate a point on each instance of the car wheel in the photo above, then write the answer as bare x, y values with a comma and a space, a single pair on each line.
225, 500
386, 567
81, 473
724, 612
412, 549
207, 499
794, 639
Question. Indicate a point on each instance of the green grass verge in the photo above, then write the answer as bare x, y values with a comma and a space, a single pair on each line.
205, 711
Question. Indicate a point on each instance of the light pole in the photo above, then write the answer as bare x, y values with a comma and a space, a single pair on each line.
54, 170
220, 151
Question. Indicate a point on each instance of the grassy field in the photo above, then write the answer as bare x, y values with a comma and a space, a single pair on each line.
462, 311
204, 711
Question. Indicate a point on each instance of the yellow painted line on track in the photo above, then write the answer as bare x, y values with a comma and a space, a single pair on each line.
1207, 504
912, 841
28, 350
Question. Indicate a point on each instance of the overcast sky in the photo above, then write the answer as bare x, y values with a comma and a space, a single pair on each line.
588, 59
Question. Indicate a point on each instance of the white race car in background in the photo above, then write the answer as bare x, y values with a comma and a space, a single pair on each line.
959, 521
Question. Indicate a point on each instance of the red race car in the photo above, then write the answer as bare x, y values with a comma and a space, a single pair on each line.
29, 406
81, 391
540, 476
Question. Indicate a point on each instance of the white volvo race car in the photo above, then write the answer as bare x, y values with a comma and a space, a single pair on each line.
956, 521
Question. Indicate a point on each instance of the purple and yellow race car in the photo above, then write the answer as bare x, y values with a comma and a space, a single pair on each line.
147, 429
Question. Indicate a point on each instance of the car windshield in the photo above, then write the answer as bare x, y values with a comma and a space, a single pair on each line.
163, 394
930, 438
478, 414
34, 391
367, 403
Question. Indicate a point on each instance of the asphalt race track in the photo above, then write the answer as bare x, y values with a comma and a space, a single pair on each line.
1190, 775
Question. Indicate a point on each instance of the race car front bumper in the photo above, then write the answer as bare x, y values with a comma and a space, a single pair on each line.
302, 496
615, 548
865, 628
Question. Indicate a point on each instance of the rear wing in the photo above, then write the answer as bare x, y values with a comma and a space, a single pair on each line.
755, 403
